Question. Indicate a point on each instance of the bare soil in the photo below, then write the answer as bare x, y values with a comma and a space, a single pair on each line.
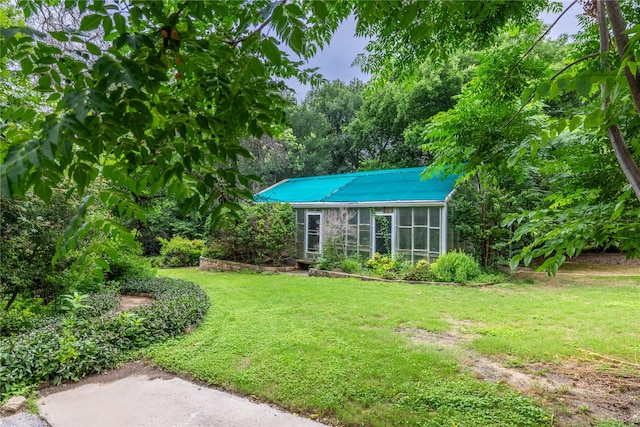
127, 302
577, 392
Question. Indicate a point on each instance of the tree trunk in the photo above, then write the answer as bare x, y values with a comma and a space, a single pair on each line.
623, 154
622, 41
11, 300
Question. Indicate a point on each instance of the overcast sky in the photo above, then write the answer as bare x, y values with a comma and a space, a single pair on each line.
335, 61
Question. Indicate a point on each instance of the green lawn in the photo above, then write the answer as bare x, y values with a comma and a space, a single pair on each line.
330, 347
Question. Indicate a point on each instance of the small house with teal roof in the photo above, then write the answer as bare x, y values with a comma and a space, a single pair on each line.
400, 212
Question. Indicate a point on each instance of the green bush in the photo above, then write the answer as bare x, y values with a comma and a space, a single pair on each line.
420, 272
351, 265
129, 263
181, 252
386, 266
263, 234
456, 267
73, 346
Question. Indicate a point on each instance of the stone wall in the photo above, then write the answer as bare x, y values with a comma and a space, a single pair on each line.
207, 264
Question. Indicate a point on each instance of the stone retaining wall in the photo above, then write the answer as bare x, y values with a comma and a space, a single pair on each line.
339, 274
207, 264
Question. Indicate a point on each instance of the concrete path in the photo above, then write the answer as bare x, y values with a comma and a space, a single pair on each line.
142, 400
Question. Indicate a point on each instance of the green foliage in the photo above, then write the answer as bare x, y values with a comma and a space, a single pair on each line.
562, 232
181, 252
421, 271
145, 110
125, 260
263, 234
165, 219
319, 127
351, 265
468, 405
386, 266
68, 348
326, 263
71, 303
22, 315
29, 233
456, 267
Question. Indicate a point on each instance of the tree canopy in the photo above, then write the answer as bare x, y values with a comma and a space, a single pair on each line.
122, 101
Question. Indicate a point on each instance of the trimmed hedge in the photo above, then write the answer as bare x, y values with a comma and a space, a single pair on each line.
74, 346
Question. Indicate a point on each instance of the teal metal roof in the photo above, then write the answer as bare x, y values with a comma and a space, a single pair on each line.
395, 185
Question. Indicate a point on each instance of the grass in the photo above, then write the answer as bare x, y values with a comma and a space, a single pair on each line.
329, 348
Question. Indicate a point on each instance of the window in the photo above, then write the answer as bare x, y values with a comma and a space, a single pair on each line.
384, 234
313, 234
419, 233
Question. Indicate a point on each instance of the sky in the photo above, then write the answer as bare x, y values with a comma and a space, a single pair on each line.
335, 61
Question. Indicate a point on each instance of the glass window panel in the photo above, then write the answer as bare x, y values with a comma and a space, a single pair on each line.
300, 216
352, 239
404, 254
365, 254
300, 232
420, 216
383, 230
365, 235
404, 219
314, 223
352, 215
434, 240
434, 217
365, 216
313, 243
420, 238
404, 238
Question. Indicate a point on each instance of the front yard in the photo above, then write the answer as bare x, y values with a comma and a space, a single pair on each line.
347, 352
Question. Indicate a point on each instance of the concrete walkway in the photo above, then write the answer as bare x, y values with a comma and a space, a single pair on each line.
151, 397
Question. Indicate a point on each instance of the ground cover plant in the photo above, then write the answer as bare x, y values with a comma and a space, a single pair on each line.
90, 337
360, 353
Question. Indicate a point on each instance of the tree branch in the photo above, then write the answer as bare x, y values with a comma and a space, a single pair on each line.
620, 148
541, 37
234, 43
622, 41
577, 61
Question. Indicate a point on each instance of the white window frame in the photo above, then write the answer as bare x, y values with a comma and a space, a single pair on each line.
393, 231
307, 250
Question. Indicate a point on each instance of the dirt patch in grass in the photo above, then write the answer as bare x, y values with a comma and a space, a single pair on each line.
577, 392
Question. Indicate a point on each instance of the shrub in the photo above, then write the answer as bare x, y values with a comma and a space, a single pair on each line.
180, 252
129, 262
351, 265
263, 234
420, 272
386, 266
73, 346
326, 264
456, 267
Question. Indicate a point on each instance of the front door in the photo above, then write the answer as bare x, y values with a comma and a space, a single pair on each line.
383, 234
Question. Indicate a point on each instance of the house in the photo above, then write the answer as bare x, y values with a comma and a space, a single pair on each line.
398, 212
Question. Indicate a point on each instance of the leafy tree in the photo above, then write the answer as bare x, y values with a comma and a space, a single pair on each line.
265, 234
312, 132
382, 127
607, 84
338, 103
164, 105
29, 231
272, 159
